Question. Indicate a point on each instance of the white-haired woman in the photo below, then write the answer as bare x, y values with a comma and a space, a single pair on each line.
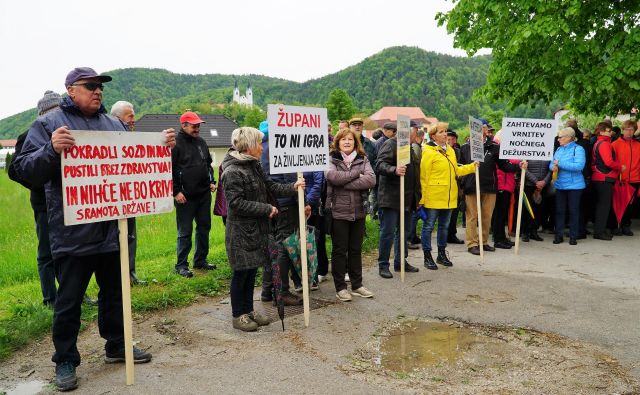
568, 162
251, 204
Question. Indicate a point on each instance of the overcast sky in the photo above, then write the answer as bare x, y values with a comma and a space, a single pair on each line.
42, 40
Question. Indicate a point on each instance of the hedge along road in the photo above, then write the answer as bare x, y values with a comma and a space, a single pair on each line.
586, 293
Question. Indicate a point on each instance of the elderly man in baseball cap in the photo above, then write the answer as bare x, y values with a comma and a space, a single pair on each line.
78, 251
193, 184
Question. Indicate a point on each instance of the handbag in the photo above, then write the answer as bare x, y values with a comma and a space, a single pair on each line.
292, 245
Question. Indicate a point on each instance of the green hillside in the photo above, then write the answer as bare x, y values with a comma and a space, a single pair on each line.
442, 85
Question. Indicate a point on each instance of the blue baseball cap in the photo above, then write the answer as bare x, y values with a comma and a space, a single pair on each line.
80, 73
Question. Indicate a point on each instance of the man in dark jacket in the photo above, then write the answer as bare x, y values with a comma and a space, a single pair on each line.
78, 251
389, 202
193, 184
49, 102
488, 189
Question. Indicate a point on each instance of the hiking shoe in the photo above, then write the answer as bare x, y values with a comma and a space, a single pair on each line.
139, 356
204, 266
297, 288
344, 295
66, 379
290, 299
407, 268
259, 318
385, 273
184, 272
362, 292
322, 278
245, 323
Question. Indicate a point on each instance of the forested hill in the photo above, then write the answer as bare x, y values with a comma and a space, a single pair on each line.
441, 85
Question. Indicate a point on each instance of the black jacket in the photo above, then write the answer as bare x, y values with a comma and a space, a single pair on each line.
192, 171
389, 182
487, 169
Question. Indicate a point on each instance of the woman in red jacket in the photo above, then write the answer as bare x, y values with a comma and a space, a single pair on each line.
606, 170
627, 152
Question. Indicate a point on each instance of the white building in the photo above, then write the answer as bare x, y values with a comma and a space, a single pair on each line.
247, 99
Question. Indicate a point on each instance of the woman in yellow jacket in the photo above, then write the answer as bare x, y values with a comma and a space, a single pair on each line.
438, 171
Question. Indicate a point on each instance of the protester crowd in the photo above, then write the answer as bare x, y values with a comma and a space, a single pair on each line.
260, 211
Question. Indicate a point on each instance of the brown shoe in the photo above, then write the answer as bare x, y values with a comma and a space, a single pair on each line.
259, 318
474, 250
290, 299
244, 323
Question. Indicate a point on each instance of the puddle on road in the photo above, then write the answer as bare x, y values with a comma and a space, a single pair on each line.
417, 344
27, 388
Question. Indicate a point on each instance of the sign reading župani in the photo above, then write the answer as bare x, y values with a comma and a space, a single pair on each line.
298, 139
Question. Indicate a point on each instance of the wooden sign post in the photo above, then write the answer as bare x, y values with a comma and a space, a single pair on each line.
403, 155
476, 142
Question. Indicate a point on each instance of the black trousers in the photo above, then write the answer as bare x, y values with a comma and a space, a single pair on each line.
500, 215
74, 273
198, 209
132, 237
46, 271
346, 254
286, 222
604, 192
242, 291
530, 225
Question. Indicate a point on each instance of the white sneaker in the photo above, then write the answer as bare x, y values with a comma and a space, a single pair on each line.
298, 288
362, 292
344, 296
322, 278
346, 278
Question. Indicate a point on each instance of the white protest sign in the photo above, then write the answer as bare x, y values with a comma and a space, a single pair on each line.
476, 142
404, 144
114, 175
527, 139
298, 139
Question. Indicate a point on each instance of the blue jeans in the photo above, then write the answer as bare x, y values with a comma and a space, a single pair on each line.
443, 216
199, 209
390, 234
568, 201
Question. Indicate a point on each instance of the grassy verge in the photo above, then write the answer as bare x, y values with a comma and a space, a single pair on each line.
24, 318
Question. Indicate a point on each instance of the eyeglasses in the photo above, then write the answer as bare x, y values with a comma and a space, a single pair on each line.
91, 86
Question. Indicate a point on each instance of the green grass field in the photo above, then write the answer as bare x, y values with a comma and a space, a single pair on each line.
22, 315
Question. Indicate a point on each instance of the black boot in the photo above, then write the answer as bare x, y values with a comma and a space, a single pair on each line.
428, 261
442, 258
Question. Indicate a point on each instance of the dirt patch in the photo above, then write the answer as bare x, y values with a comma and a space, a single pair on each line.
487, 359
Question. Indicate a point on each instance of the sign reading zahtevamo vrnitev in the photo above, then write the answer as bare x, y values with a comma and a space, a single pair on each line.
298, 139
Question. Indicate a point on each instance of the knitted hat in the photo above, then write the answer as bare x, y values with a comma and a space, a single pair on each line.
49, 101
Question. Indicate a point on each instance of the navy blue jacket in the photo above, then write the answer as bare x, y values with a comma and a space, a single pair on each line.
40, 165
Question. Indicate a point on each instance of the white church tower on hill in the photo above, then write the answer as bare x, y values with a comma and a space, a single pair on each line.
247, 99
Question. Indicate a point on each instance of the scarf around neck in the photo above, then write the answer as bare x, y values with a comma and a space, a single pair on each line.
348, 159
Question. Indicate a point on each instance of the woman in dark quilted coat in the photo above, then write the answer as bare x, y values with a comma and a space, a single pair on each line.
251, 204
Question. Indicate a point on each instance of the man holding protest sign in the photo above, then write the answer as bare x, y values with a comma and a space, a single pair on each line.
390, 173
193, 184
78, 251
488, 188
